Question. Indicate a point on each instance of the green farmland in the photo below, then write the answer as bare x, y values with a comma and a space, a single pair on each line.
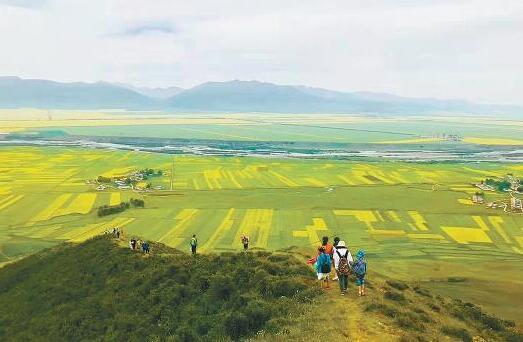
407, 216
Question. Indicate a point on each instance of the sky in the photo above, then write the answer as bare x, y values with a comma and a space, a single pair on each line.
469, 49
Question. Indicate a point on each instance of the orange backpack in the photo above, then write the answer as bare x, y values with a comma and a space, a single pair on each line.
329, 249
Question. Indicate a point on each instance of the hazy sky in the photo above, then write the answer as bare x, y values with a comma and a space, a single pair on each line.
439, 48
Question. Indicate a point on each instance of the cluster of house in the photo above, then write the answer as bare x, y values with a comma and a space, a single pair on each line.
448, 137
485, 187
125, 182
515, 203
513, 184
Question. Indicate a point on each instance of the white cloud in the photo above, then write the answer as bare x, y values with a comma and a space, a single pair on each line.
450, 48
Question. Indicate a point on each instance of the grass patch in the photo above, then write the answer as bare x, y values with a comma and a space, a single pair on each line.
422, 292
456, 279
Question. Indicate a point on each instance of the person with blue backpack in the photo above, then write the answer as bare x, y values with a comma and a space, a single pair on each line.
359, 267
323, 267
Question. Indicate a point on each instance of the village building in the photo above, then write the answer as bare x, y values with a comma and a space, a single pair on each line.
478, 198
515, 204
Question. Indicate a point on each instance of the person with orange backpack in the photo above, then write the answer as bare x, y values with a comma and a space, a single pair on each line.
342, 261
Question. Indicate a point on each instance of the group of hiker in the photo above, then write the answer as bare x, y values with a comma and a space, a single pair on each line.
116, 232
335, 256
339, 257
136, 245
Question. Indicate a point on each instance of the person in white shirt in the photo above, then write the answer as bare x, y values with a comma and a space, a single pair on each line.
342, 261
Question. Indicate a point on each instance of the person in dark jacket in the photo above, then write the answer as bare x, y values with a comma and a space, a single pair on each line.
194, 244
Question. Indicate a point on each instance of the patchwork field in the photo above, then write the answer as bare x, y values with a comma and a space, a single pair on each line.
279, 203
407, 212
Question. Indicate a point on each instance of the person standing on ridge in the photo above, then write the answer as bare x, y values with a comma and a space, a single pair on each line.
145, 247
245, 242
342, 261
194, 244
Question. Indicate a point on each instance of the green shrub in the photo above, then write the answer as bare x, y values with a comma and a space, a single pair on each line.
456, 332
285, 287
474, 314
422, 292
395, 296
398, 285
186, 333
236, 325
512, 336
434, 307
383, 309
408, 322
308, 295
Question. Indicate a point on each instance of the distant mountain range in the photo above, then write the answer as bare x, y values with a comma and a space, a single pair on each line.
232, 96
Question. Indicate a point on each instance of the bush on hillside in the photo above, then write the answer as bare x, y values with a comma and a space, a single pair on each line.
474, 314
422, 292
410, 323
459, 333
395, 296
398, 285
105, 210
382, 308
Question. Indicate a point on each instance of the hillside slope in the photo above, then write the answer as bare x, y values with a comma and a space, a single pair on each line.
101, 290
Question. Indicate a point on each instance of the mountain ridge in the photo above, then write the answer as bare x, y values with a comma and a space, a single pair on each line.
230, 96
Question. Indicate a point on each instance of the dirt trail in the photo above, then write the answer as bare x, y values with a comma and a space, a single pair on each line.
360, 325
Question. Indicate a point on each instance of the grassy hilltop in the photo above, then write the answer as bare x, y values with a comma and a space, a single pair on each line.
101, 290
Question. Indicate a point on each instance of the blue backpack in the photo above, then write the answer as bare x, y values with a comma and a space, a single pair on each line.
325, 263
360, 267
